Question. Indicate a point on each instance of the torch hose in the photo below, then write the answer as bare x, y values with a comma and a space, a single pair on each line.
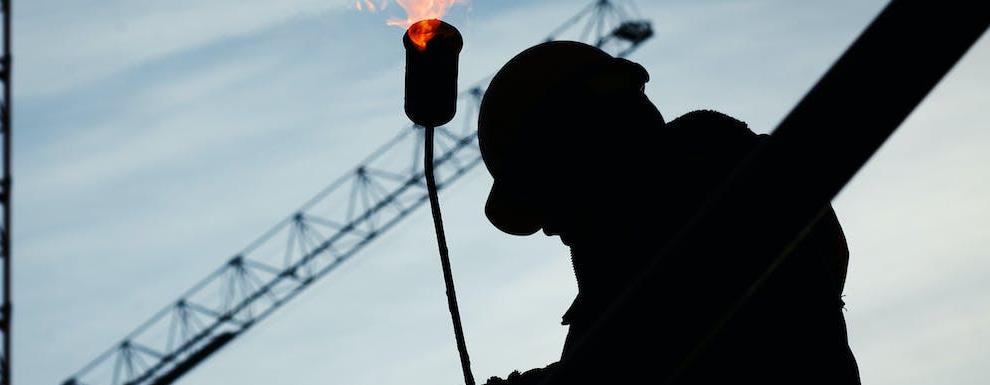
448, 277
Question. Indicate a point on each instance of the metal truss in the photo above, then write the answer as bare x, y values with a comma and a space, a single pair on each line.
324, 233
320, 236
613, 26
5, 307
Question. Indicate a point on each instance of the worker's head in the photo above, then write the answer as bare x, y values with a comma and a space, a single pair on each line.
552, 120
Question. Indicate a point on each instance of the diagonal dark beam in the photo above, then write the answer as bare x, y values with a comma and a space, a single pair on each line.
790, 179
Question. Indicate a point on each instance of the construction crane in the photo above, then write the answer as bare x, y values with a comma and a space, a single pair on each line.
610, 26
325, 232
5, 198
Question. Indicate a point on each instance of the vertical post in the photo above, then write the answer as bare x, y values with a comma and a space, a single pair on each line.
5, 191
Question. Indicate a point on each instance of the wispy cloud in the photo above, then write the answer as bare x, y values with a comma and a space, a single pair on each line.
155, 139
77, 43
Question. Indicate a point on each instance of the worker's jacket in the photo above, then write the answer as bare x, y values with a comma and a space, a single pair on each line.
790, 330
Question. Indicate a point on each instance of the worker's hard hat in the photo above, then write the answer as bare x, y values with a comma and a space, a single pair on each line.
546, 79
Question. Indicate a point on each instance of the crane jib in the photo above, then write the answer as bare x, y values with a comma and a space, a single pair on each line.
365, 204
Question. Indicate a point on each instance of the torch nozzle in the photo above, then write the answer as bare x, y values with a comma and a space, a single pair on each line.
432, 49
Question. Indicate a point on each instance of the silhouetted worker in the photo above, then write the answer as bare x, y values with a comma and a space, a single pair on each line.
578, 150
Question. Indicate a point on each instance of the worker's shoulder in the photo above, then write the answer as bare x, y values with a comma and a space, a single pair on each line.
707, 118
710, 124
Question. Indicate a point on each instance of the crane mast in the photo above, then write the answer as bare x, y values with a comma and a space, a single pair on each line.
325, 232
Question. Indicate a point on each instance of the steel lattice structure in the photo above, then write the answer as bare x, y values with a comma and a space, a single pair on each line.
324, 233
611, 26
5, 183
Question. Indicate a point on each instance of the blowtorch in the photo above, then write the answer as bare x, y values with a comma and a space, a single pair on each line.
432, 49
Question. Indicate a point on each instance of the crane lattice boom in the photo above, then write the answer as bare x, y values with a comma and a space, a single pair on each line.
324, 233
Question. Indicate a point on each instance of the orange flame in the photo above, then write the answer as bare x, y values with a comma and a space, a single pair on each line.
416, 10
422, 31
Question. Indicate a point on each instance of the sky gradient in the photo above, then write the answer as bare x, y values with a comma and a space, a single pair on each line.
155, 139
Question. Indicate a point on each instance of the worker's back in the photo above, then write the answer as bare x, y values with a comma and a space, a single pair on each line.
791, 330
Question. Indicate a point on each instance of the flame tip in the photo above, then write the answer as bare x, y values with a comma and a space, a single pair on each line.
416, 10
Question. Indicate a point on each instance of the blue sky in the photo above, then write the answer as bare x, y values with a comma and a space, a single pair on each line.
155, 139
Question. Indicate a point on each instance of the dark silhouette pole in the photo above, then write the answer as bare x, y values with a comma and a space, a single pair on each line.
448, 276
5, 191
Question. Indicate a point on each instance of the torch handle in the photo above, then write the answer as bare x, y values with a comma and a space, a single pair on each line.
448, 277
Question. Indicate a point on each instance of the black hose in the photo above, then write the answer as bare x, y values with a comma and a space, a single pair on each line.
448, 277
